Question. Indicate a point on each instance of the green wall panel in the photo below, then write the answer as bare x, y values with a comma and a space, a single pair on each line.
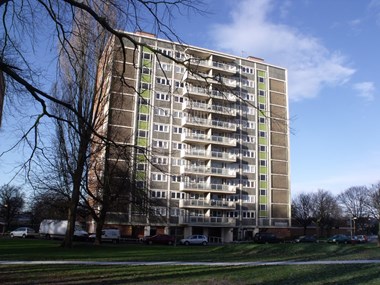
143, 125
144, 109
142, 142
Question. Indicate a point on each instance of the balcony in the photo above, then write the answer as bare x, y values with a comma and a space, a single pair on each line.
205, 139
226, 81
197, 91
193, 105
206, 124
223, 95
206, 204
224, 67
208, 171
207, 187
207, 221
203, 154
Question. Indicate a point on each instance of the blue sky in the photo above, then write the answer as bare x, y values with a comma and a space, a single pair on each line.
330, 49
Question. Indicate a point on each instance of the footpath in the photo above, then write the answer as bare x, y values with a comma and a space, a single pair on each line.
166, 263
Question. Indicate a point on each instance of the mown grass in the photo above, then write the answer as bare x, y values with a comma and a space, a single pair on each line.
19, 249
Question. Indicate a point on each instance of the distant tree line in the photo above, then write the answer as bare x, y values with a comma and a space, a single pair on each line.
356, 205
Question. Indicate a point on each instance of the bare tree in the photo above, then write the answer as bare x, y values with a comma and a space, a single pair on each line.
374, 206
354, 202
11, 203
72, 25
326, 210
302, 210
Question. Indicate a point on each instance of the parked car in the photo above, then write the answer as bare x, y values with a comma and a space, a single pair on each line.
339, 239
23, 232
362, 238
265, 237
160, 239
305, 239
195, 239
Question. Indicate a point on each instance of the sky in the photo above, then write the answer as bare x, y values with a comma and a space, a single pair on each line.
330, 49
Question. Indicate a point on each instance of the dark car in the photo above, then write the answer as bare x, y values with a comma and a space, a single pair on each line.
160, 239
310, 239
339, 239
266, 238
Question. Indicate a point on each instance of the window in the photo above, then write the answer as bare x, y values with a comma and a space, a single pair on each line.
177, 114
177, 195
176, 178
261, 79
263, 207
146, 70
158, 194
175, 212
263, 192
163, 81
178, 99
164, 66
179, 55
248, 168
263, 134
165, 51
159, 177
179, 84
261, 93
177, 145
143, 134
161, 144
141, 166
262, 106
262, 120
263, 162
143, 117
162, 96
145, 86
246, 69
248, 153
248, 214
147, 56
160, 160
143, 101
263, 148
177, 130
180, 69
161, 128
178, 162
161, 112
263, 177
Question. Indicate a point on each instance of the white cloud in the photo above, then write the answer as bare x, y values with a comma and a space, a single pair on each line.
311, 65
365, 90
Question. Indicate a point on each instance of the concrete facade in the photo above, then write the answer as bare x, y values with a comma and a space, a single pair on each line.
211, 134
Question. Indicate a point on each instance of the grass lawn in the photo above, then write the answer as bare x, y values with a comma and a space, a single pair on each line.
35, 249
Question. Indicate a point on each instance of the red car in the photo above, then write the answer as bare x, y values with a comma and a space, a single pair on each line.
160, 239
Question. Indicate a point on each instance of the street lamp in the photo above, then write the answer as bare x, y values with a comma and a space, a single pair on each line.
352, 221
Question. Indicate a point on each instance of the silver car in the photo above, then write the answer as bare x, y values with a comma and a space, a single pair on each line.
195, 239
23, 232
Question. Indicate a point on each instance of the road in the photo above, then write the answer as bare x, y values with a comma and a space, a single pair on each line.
171, 263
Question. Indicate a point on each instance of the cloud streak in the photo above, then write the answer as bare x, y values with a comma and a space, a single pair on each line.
365, 90
311, 65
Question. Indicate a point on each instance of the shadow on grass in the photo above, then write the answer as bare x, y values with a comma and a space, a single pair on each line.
96, 275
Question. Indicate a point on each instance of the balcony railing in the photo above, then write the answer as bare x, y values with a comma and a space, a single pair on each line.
224, 66
197, 203
209, 171
206, 123
192, 105
207, 187
223, 95
208, 154
226, 141
212, 221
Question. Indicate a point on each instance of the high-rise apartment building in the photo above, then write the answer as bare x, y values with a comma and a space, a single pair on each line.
211, 135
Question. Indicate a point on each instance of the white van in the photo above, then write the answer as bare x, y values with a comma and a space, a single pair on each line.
112, 235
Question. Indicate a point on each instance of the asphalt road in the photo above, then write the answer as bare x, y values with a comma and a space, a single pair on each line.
165, 263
